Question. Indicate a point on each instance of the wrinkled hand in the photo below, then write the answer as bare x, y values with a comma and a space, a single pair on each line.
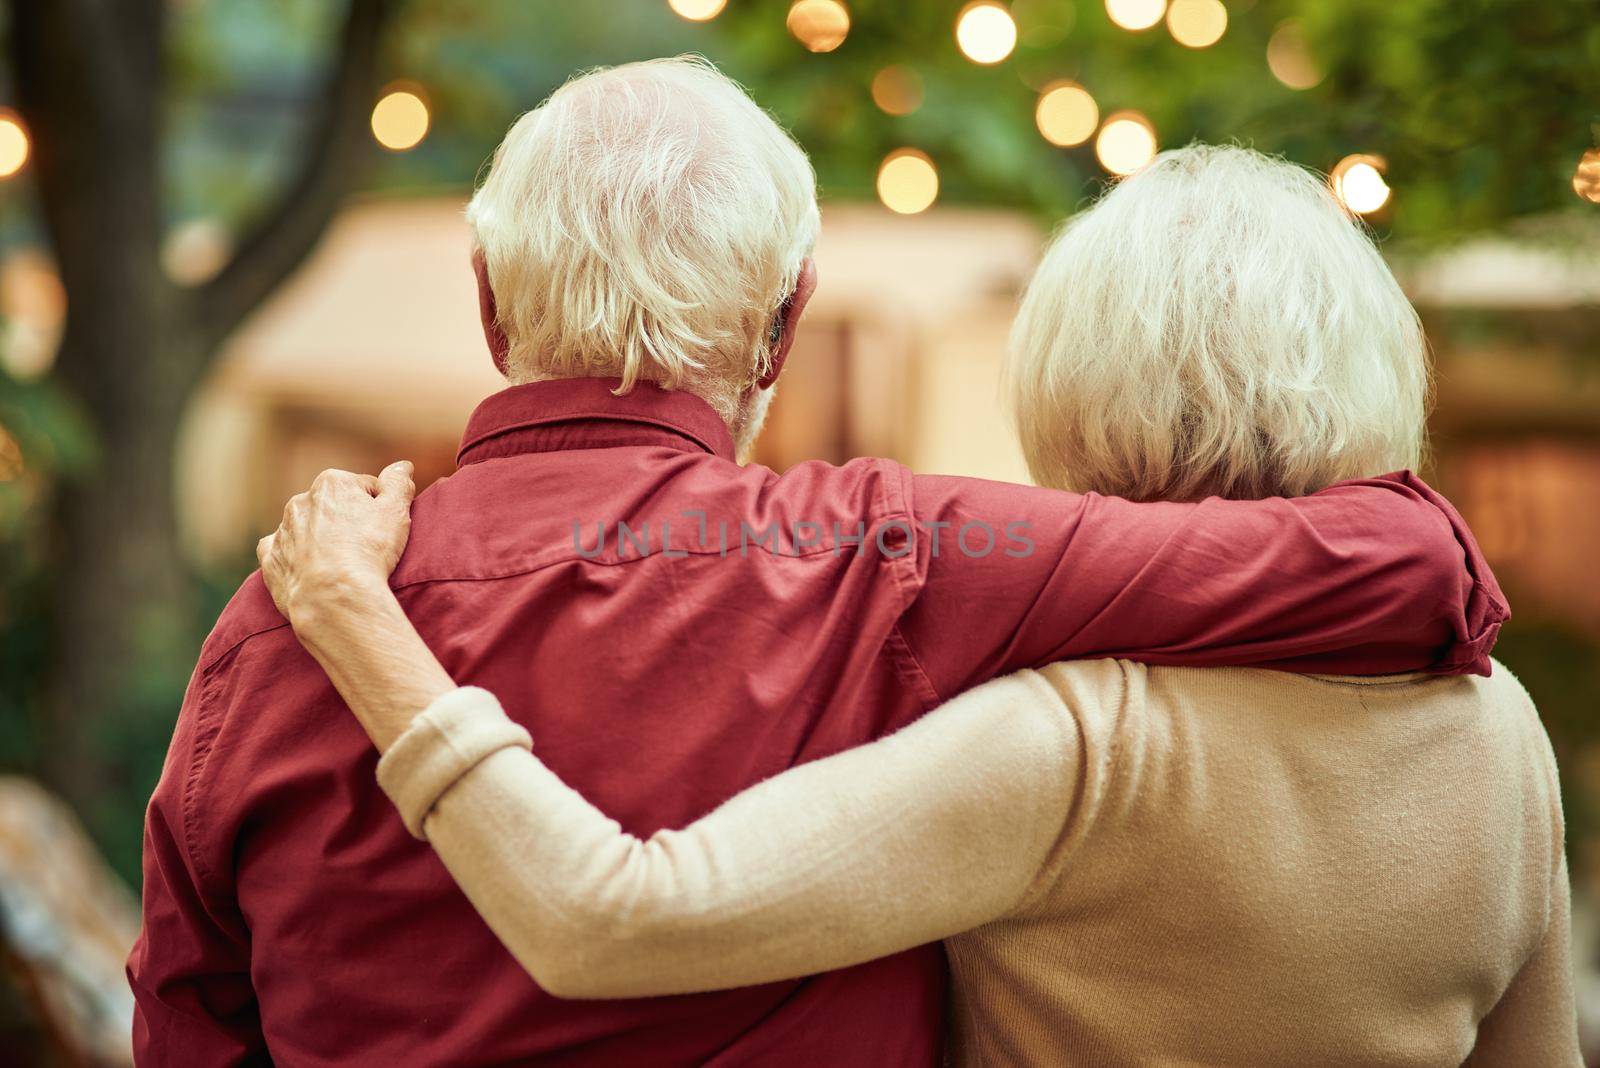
344, 536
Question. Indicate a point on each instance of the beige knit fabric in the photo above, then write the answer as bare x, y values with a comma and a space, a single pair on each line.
1130, 865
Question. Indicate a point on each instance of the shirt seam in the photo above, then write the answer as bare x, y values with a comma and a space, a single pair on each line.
892, 494
206, 665
208, 725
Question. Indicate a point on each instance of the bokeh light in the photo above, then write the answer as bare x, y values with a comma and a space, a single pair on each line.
908, 182
1197, 23
1136, 14
1289, 59
1586, 179
986, 32
1067, 115
195, 250
400, 120
13, 144
1127, 142
820, 25
1358, 182
897, 90
697, 10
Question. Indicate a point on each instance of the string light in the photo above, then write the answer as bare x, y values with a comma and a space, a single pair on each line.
820, 25
1586, 179
1197, 23
697, 10
897, 90
1127, 142
1067, 114
1136, 14
985, 32
1358, 182
1289, 59
14, 145
400, 120
908, 182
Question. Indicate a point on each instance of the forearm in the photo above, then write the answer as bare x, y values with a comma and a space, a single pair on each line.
1368, 577
872, 851
376, 659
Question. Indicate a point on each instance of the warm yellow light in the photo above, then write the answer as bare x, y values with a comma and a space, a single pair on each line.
1586, 179
1197, 23
907, 181
1127, 142
986, 32
400, 120
697, 10
820, 25
13, 145
1358, 182
1289, 59
897, 90
1136, 14
1067, 114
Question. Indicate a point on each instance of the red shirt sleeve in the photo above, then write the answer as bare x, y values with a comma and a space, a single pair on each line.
190, 968
1365, 577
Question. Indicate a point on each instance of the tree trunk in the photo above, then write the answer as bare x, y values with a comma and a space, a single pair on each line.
89, 79
125, 613
90, 83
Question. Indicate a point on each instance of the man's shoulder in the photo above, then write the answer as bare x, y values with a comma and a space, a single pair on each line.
513, 516
249, 613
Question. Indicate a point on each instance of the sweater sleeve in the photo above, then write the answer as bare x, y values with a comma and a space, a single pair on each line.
923, 834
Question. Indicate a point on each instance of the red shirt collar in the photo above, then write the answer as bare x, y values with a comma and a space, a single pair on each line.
584, 413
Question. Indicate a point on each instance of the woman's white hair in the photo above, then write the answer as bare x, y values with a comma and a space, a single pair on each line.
646, 222
1216, 325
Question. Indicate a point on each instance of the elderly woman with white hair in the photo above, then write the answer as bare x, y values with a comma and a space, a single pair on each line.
1129, 864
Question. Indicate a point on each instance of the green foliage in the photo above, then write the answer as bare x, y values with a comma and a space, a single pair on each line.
1481, 107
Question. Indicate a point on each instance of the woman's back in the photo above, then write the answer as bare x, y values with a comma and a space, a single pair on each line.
1262, 868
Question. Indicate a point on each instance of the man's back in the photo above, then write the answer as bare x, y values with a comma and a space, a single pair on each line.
740, 624
362, 950
1273, 869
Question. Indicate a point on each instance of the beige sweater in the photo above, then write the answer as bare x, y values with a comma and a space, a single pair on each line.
1129, 865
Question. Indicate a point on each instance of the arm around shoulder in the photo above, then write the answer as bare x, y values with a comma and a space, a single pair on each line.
923, 834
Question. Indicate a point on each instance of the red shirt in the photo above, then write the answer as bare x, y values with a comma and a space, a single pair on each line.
287, 912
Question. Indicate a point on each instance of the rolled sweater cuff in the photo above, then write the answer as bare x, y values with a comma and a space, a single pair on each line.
452, 736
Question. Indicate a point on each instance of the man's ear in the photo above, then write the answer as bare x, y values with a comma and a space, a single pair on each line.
499, 347
789, 320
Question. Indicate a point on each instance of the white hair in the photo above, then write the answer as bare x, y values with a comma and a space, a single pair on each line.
1216, 325
646, 222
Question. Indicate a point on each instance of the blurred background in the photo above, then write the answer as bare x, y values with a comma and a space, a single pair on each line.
232, 253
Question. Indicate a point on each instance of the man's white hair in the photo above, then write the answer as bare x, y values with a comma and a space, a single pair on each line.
646, 222
1216, 325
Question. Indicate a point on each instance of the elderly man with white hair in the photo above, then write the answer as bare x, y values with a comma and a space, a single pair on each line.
674, 628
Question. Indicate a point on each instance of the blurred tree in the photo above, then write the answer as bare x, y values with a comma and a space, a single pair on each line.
91, 81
